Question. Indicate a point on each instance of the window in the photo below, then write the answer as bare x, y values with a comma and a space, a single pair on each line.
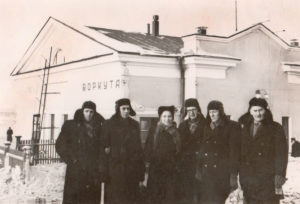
145, 124
286, 127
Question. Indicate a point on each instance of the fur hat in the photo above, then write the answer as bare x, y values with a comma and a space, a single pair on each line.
258, 102
122, 102
161, 109
192, 102
215, 105
90, 105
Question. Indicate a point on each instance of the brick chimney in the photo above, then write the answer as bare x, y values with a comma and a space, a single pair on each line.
202, 30
155, 25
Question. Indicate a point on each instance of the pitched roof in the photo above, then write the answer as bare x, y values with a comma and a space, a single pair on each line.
245, 31
161, 44
142, 43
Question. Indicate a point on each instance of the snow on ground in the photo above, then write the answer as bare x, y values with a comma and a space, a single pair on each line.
47, 181
291, 188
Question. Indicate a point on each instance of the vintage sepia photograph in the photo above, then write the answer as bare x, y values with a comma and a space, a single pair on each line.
150, 102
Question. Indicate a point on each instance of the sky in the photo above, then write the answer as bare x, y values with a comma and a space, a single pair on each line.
20, 21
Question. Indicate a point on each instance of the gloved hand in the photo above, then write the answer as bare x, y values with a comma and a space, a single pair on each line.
279, 181
233, 182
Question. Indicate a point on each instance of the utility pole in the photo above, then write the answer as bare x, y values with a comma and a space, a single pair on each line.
236, 23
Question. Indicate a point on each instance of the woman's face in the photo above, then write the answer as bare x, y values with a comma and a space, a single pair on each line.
166, 118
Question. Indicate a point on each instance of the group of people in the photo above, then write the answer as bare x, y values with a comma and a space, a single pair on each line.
200, 161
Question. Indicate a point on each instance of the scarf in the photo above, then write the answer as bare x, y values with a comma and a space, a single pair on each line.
213, 125
89, 129
171, 129
193, 125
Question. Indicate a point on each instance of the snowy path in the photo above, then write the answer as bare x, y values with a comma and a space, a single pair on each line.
46, 184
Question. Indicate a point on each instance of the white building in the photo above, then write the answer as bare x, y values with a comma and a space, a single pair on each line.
104, 65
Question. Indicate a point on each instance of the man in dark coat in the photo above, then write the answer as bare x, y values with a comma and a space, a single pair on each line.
191, 132
126, 165
9, 134
295, 148
79, 145
263, 155
218, 156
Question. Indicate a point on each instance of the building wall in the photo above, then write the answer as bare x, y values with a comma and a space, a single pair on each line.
260, 68
102, 81
152, 92
82, 82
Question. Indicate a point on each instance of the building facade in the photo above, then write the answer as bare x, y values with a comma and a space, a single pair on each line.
104, 65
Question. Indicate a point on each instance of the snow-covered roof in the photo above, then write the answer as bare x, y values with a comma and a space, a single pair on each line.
258, 26
72, 45
162, 44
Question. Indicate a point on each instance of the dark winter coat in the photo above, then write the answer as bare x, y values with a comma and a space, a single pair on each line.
85, 160
295, 149
126, 165
218, 159
163, 159
190, 146
262, 157
9, 135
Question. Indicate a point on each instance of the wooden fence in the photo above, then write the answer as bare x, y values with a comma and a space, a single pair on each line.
43, 151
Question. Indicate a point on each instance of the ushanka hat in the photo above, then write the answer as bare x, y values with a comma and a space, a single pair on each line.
192, 102
90, 105
122, 102
216, 105
171, 109
258, 102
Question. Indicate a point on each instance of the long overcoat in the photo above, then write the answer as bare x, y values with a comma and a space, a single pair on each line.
85, 159
218, 159
126, 165
162, 154
190, 146
262, 157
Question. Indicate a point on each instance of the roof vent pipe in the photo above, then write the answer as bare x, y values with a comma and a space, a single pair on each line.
202, 30
155, 25
294, 43
148, 28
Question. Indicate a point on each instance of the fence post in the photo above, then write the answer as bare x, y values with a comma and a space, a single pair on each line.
18, 142
27, 150
6, 157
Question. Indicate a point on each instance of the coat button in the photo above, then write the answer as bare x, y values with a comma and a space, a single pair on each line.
215, 142
215, 166
206, 154
207, 142
259, 154
205, 165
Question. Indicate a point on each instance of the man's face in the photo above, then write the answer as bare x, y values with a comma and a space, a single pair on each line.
214, 115
166, 118
88, 114
192, 112
124, 111
258, 113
